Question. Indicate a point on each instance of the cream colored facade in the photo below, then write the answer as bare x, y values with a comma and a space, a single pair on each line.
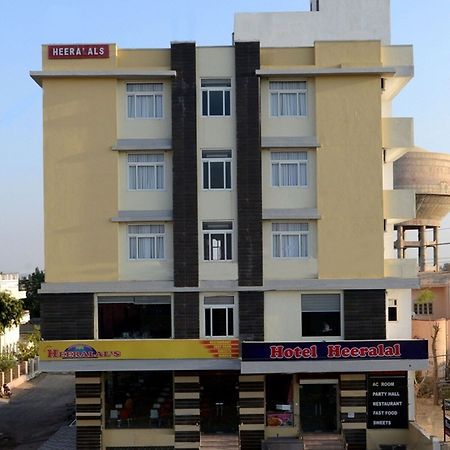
73, 99
341, 268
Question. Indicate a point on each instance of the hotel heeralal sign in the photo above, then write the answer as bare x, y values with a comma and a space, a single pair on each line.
78, 51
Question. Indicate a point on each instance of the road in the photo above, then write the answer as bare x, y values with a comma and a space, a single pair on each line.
37, 409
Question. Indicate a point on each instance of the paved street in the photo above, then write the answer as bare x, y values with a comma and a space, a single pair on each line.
37, 410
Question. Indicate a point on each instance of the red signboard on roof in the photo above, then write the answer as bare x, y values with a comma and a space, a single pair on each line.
78, 51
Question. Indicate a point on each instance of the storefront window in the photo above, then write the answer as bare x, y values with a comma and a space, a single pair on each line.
141, 317
138, 400
279, 400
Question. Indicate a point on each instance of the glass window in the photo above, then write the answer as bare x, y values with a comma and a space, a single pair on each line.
289, 169
290, 240
138, 399
216, 169
217, 241
216, 97
146, 241
287, 98
145, 171
140, 317
144, 100
279, 400
392, 310
219, 316
321, 315
423, 308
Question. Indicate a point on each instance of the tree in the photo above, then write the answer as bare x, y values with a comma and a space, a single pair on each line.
31, 284
11, 310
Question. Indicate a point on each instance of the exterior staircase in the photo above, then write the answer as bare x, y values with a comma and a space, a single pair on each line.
323, 441
219, 442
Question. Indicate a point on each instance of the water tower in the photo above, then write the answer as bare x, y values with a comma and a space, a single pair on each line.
429, 175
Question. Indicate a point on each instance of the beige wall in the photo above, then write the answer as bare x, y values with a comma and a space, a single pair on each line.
289, 268
349, 166
288, 197
79, 129
146, 269
145, 200
288, 126
157, 128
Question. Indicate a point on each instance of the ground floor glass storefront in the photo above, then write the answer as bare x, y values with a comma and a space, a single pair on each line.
138, 399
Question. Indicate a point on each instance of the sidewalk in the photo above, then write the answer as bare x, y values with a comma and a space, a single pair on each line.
64, 438
429, 417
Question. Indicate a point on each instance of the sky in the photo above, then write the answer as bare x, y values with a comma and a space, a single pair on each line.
25, 25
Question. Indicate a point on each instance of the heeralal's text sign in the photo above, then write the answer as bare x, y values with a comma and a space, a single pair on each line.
78, 51
387, 398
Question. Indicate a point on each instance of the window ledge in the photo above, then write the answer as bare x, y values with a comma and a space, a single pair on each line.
289, 142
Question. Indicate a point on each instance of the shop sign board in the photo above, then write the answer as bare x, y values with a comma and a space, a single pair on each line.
332, 351
98, 350
78, 51
387, 401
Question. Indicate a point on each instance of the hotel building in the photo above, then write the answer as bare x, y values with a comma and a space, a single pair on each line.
219, 227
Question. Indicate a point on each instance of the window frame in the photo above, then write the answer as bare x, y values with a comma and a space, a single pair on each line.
140, 299
279, 91
230, 306
226, 232
289, 162
341, 316
423, 309
153, 236
226, 161
392, 306
218, 88
299, 234
154, 164
135, 94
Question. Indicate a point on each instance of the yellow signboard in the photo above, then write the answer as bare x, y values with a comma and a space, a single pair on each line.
139, 349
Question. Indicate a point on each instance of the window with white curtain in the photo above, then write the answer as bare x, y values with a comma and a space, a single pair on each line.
144, 100
145, 171
216, 97
146, 241
289, 169
216, 169
321, 314
219, 316
287, 98
290, 240
217, 241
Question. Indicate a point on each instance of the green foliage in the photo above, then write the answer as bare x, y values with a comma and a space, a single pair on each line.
11, 310
425, 296
31, 284
7, 361
30, 348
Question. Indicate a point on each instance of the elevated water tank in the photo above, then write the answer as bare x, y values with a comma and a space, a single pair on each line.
429, 175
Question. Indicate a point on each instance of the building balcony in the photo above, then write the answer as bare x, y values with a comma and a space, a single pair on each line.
400, 58
139, 354
397, 136
399, 205
400, 268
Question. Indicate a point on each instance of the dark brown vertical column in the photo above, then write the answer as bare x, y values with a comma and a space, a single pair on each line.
67, 316
88, 390
251, 316
249, 190
184, 143
186, 315
365, 314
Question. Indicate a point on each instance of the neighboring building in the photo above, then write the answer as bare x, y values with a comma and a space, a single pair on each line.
219, 227
436, 311
10, 338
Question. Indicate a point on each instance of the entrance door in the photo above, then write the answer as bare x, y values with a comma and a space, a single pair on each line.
218, 403
318, 408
